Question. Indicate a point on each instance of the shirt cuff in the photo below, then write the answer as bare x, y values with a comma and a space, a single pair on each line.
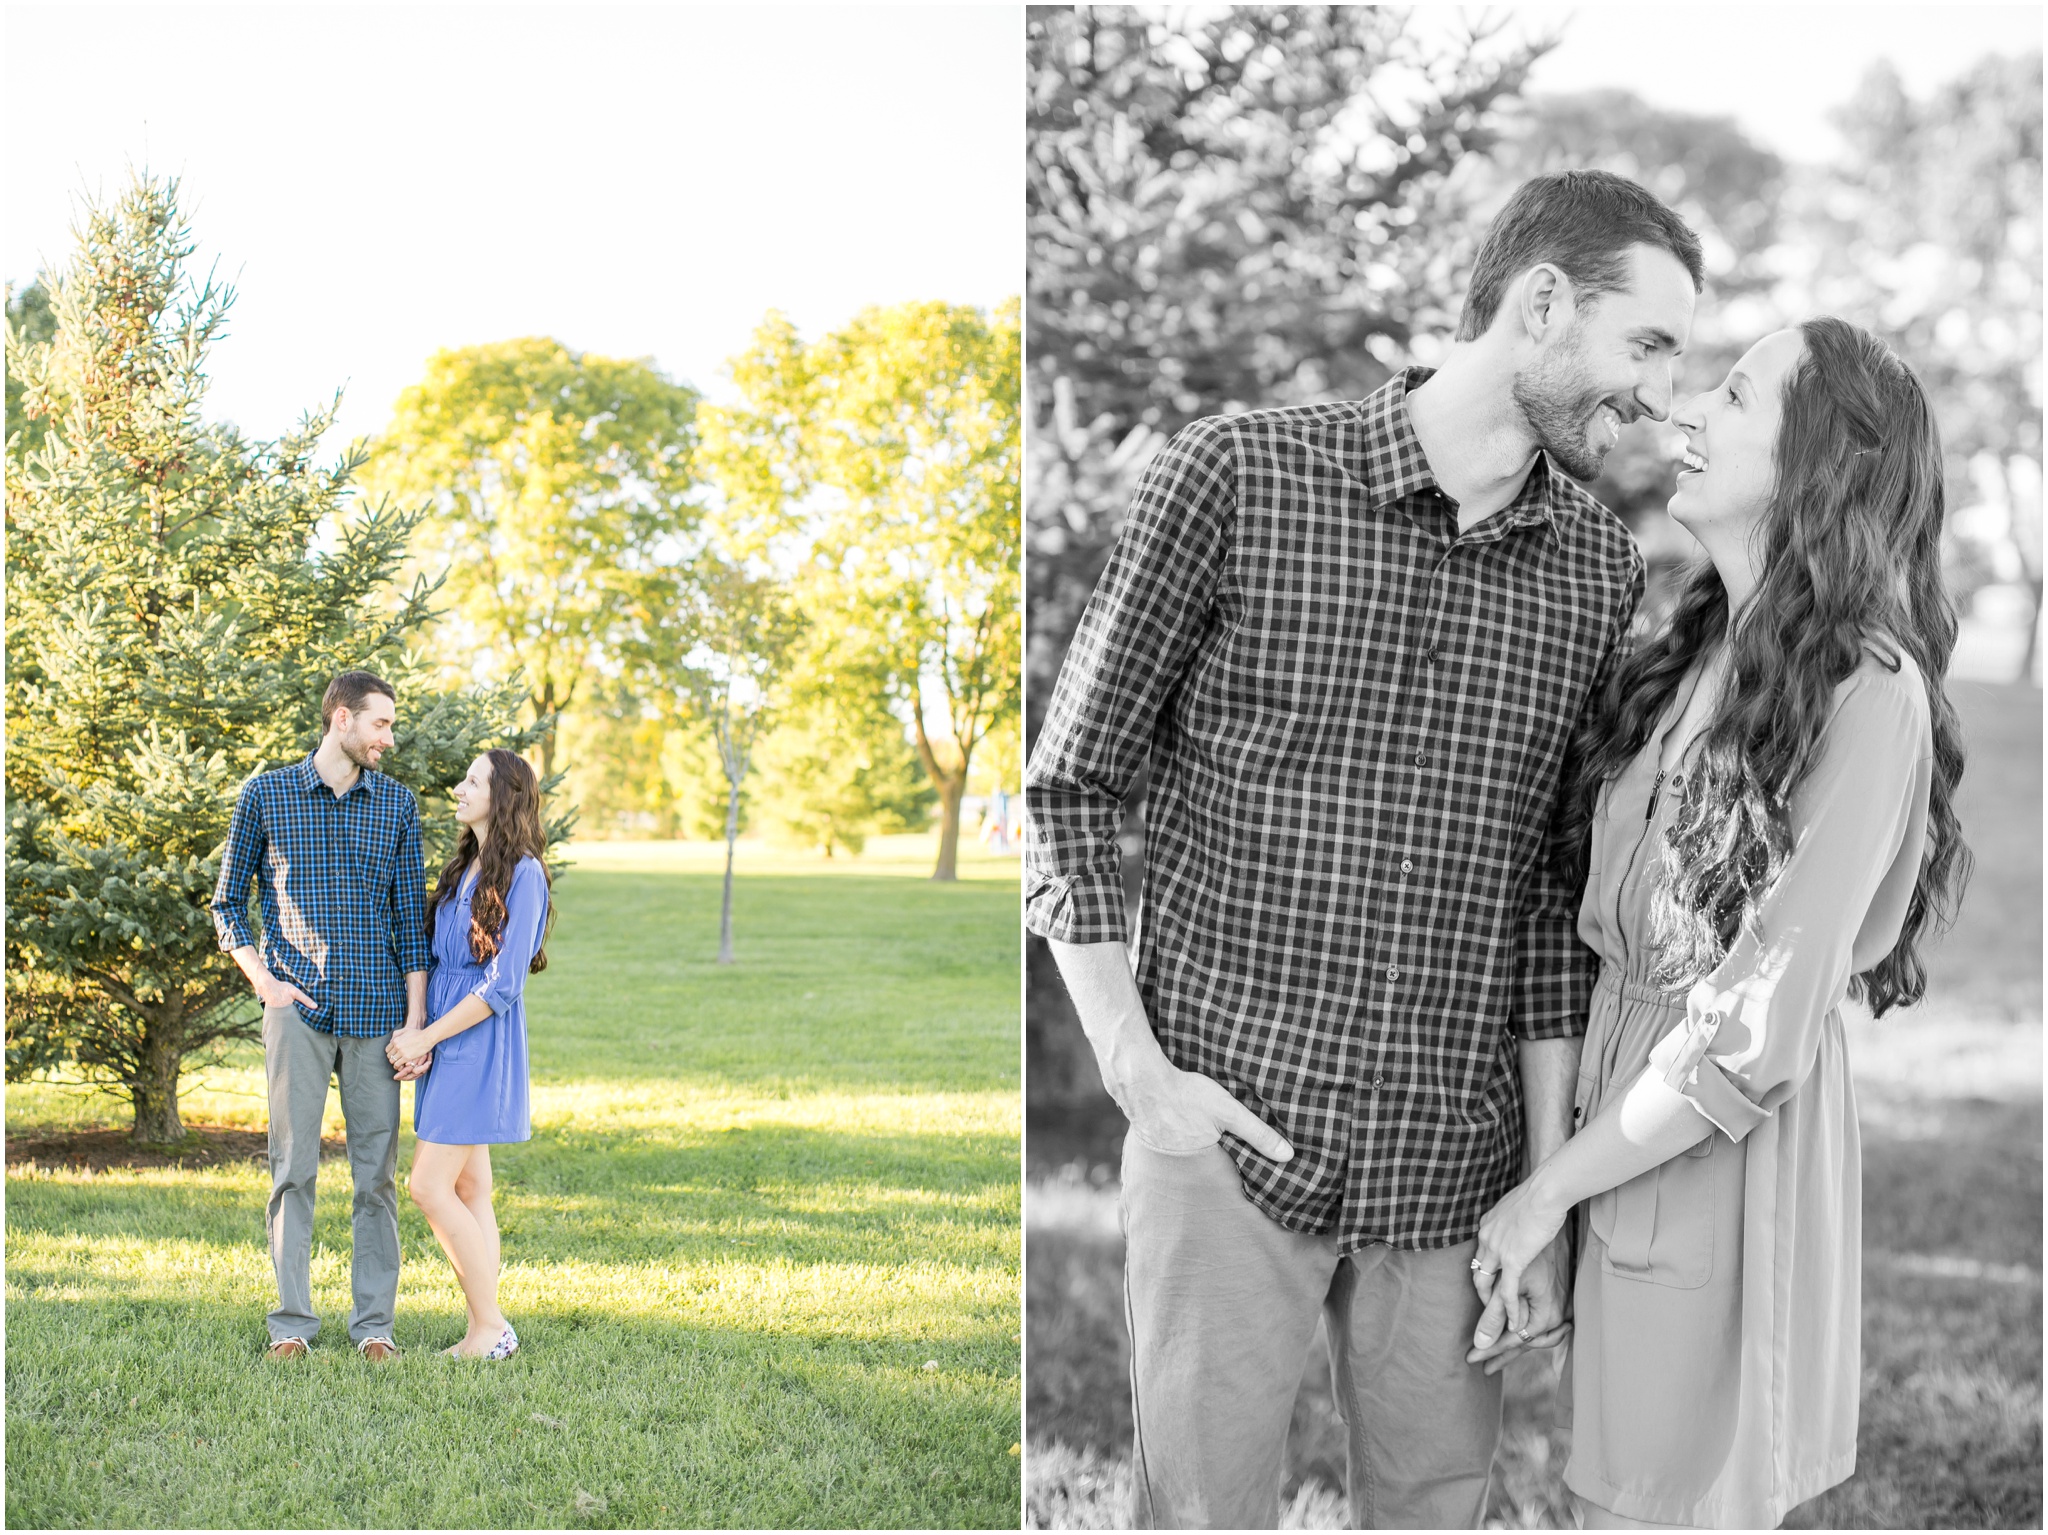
1680, 1057
1081, 908
1555, 1004
233, 935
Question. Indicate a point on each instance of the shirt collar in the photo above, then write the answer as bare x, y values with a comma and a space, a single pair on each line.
310, 780
1396, 466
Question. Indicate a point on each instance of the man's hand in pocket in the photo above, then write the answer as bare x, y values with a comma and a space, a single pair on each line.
1182, 1111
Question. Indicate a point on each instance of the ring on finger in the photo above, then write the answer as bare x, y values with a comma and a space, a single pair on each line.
1522, 1333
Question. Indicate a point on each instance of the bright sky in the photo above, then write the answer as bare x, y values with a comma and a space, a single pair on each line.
1778, 69
382, 182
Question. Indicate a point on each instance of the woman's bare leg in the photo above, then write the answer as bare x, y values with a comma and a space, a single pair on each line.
473, 1188
471, 1245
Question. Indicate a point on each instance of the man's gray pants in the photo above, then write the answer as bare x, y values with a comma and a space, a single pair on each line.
298, 1062
1223, 1303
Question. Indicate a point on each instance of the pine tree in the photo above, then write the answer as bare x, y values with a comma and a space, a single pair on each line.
178, 596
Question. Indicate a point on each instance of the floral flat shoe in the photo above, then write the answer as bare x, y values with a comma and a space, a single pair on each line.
506, 1346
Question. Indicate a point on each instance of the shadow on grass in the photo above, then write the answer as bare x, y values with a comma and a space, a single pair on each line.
805, 1196
164, 1414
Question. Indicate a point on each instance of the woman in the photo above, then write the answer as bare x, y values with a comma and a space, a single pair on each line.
1770, 791
495, 891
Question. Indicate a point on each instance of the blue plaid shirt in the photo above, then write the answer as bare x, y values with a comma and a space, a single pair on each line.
343, 891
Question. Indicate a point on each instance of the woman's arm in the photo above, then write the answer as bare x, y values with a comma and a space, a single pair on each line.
410, 1045
504, 977
526, 903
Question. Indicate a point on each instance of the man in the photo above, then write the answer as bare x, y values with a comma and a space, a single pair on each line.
1354, 640
335, 849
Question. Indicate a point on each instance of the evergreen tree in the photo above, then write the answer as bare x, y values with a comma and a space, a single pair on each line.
29, 314
178, 597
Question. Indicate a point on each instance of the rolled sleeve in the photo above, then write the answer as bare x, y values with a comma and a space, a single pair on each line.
526, 905
408, 895
237, 872
1555, 971
1087, 908
1752, 1029
1136, 638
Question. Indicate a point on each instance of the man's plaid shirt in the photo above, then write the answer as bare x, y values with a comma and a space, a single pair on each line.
343, 892
1357, 721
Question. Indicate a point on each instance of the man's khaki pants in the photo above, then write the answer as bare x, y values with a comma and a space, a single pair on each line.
1222, 1306
299, 1061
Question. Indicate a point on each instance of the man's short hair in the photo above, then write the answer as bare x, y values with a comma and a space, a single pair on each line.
350, 691
1581, 222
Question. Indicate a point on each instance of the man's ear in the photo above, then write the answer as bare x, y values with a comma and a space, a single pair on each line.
1544, 303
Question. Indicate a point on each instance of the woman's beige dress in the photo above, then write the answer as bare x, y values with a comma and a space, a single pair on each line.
1715, 1365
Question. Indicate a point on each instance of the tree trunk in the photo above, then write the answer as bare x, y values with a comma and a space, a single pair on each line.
950, 790
732, 836
2027, 657
154, 1092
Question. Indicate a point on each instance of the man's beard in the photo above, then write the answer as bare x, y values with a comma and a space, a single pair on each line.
357, 751
1558, 404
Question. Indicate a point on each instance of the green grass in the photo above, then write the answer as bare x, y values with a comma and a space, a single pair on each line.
762, 1250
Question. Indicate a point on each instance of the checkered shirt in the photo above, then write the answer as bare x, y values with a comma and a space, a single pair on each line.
1357, 720
343, 892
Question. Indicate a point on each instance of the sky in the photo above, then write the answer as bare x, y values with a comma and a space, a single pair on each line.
381, 182
649, 181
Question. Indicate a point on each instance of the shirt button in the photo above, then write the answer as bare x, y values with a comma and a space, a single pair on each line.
1422, 759
1407, 866
1578, 1113
1377, 1079
1393, 972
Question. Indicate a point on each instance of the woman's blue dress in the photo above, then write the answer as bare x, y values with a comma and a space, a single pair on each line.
475, 1092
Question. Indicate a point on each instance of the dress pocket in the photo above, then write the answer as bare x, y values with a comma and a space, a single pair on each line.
1659, 1227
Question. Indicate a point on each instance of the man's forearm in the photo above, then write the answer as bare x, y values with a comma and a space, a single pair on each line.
1105, 993
415, 998
1550, 1080
252, 964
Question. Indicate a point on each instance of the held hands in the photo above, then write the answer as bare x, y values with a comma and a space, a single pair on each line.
1521, 1272
410, 1051
1181, 1111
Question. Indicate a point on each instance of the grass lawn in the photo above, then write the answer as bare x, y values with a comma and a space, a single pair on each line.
762, 1250
1950, 1099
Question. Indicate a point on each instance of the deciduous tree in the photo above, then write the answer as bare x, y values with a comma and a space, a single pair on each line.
560, 487
880, 463
727, 637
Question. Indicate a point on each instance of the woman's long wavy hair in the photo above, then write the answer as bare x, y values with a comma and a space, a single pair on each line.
1851, 563
516, 831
